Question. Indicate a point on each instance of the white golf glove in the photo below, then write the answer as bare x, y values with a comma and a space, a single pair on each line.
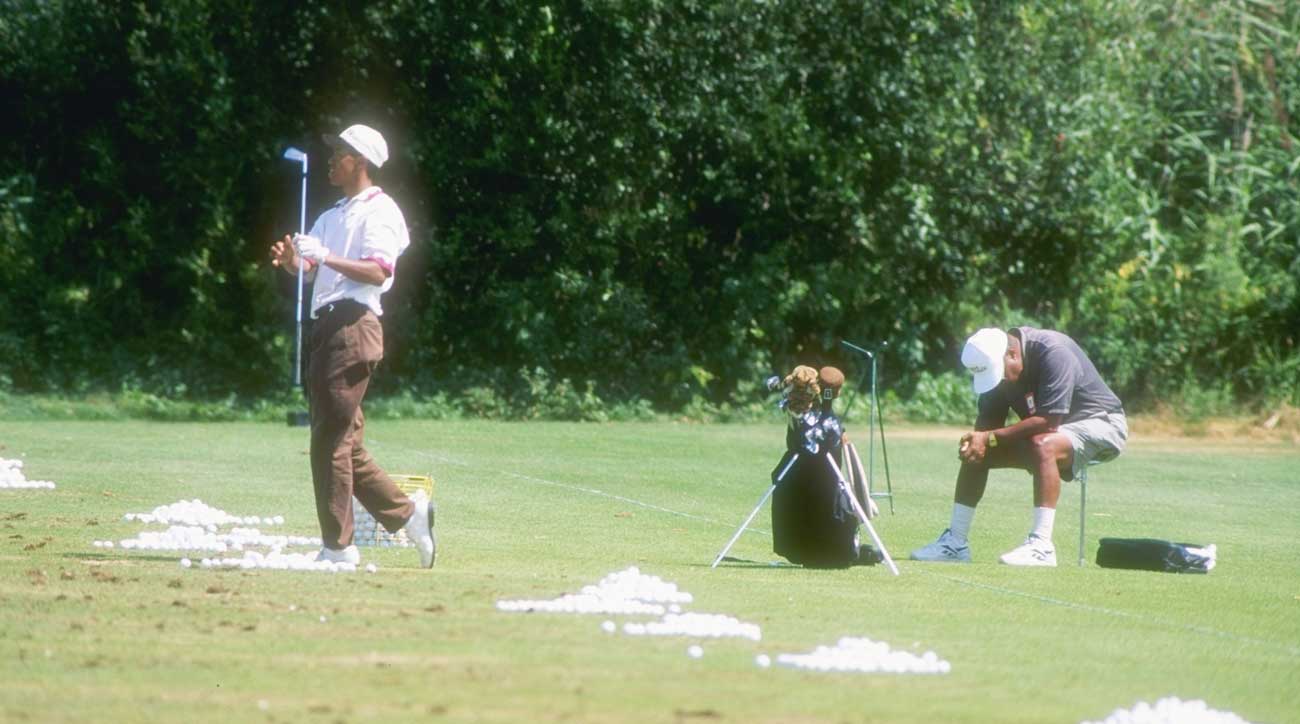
309, 247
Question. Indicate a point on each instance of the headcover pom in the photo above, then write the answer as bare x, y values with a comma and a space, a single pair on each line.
831, 380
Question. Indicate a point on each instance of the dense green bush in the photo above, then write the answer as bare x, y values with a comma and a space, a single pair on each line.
654, 204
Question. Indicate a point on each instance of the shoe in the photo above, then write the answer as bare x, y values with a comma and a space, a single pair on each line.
419, 528
346, 555
1033, 552
946, 549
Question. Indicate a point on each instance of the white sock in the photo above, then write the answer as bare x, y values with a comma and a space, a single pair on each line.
962, 515
1044, 518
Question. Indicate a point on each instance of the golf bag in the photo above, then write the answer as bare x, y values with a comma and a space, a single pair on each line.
813, 521
1149, 554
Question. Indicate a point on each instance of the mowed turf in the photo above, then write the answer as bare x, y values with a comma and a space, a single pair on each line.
535, 510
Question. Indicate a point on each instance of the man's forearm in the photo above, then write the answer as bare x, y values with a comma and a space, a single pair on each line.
1027, 428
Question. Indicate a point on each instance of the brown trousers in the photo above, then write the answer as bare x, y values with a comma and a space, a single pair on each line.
347, 343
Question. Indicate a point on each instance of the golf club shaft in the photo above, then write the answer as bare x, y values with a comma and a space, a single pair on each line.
302, 229
744, 525
862, 516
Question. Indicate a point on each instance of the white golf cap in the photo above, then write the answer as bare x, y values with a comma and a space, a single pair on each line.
983, 356
365, 140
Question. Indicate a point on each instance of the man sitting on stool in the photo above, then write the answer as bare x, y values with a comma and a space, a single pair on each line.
1069, 419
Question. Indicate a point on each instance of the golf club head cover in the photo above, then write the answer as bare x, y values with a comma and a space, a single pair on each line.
1149, 554
830, 379
804, 390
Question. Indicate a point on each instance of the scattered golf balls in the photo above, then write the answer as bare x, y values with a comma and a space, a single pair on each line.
695, 651
862, 655
1171, 710
11, 476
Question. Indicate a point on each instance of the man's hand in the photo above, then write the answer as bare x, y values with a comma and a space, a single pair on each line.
309, 247
973, 447
284, 256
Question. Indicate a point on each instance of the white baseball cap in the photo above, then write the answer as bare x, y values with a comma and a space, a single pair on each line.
365, 140
983, 356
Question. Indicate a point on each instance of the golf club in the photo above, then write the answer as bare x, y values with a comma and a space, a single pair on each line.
293, 154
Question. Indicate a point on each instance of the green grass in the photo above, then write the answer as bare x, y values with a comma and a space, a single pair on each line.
534, 510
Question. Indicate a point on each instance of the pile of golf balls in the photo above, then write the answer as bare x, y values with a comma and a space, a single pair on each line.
862, 655
11, 476
582, 603
698, 625
1171, 710
196, 512
276, 560
195, 526
204, 538
626, 592
632, 583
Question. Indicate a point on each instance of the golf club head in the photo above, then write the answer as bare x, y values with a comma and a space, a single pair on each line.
294, 154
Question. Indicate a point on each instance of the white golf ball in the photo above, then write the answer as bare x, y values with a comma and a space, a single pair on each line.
763, 661
186, 563
695, 651
608, 627
370, 568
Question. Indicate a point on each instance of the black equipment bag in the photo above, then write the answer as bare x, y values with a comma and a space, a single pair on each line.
1149, 554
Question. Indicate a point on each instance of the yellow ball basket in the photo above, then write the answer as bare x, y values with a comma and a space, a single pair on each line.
368, 532
411, 483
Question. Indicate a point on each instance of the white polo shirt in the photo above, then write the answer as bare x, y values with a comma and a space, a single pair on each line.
366, 226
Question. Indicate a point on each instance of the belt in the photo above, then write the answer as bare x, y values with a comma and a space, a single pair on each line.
342, 305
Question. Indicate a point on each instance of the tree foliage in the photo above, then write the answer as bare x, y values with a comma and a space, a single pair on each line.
664, 199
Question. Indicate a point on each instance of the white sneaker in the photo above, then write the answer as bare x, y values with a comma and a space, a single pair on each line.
347, 555
1033, 552
945, 549
419, 528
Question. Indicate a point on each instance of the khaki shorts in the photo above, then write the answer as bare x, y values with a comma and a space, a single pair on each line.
1096, 440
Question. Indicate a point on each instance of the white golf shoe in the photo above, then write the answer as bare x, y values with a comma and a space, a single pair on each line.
346, 555
419, 528
946, 549
1033, 552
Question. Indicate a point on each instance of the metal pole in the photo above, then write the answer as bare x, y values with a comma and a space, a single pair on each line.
745, 525
862, 516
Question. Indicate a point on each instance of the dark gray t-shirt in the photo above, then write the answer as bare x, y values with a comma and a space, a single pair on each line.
1058, 379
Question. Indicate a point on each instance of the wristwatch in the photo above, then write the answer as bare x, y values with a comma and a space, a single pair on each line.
993, 439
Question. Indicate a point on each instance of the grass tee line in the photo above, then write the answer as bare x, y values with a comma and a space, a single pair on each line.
577, 488
1203, 630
